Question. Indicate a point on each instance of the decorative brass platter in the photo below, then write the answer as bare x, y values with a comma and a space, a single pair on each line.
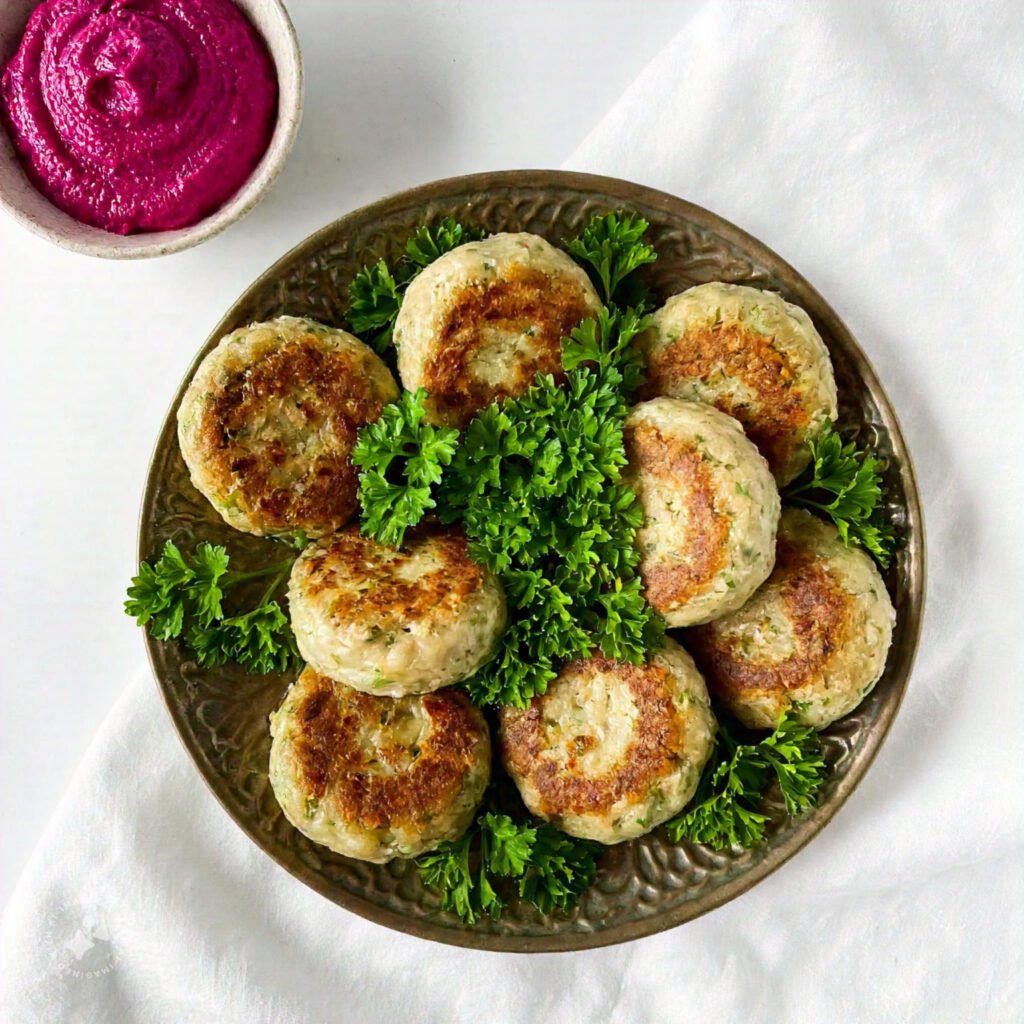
643, 886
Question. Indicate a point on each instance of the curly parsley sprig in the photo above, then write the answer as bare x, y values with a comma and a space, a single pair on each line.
606, 342
727, 809
845, 483
429, 244
180, 597
536, 483
401, 458
374, 298
610, 249
375, 293
548, 869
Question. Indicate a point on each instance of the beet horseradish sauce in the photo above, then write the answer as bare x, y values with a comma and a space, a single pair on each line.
140, 115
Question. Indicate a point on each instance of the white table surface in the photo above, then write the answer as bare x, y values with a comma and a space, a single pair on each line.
397, 94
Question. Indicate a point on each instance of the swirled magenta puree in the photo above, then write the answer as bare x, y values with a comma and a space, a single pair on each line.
140, 115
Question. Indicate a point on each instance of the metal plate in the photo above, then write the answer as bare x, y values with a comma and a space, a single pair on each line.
643, 886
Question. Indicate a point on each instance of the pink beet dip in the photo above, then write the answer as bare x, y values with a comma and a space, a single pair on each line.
140, 115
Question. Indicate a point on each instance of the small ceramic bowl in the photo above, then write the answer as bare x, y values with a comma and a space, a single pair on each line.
20, 198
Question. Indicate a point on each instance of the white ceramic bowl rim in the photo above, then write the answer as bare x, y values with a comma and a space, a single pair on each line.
20, 198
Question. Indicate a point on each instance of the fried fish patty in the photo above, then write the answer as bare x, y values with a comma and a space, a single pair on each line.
268, 423
377, 777
752, 355
814, 638
393, 622
612, 750
710, 509
482, 321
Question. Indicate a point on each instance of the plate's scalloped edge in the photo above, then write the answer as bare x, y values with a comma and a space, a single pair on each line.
636, 879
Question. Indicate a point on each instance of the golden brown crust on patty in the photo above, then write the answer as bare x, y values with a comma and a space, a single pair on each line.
650, 755
384, 598
523, 298
742, 353
331, 759
254, 428
670, 585
818, 609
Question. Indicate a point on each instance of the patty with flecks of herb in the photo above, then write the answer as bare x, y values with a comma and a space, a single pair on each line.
377, 777
268, 424
611, 750
710, 509
481, 322
395, 621
812, 640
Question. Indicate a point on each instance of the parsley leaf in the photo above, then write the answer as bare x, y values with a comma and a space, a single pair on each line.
509, 846
429, 244
448, 869
623, 630
374, 298
401, 458
726, 810
607, 342
610, 248
210, 565
561, 869
176, 596
551, 869
793, 752
260, 640
851, 478
375, 293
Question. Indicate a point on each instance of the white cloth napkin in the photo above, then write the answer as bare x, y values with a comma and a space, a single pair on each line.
878, 148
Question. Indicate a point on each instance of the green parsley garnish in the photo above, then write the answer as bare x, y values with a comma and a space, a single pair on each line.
401, 458
175, 596
727, 809
550, 869
374, 298
375, 293
607, 343
610, 248
429, 244
536, 483
844, 482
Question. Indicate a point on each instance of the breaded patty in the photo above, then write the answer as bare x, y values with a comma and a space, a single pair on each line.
612, 750
750, 354
710, 509
481, 322
377, 777
814, 637
394, 622
268, 423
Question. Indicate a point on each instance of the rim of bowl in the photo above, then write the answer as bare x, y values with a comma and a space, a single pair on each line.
88, 240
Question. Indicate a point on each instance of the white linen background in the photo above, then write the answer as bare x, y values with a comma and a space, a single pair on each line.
877, 147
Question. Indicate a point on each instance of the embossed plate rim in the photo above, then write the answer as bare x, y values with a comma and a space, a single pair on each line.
628, 194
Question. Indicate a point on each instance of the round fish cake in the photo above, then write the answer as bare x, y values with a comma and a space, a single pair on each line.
710, 509
392, 622
814, 638
612, 750
268, 423
374, 777
750, 354
482, 321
